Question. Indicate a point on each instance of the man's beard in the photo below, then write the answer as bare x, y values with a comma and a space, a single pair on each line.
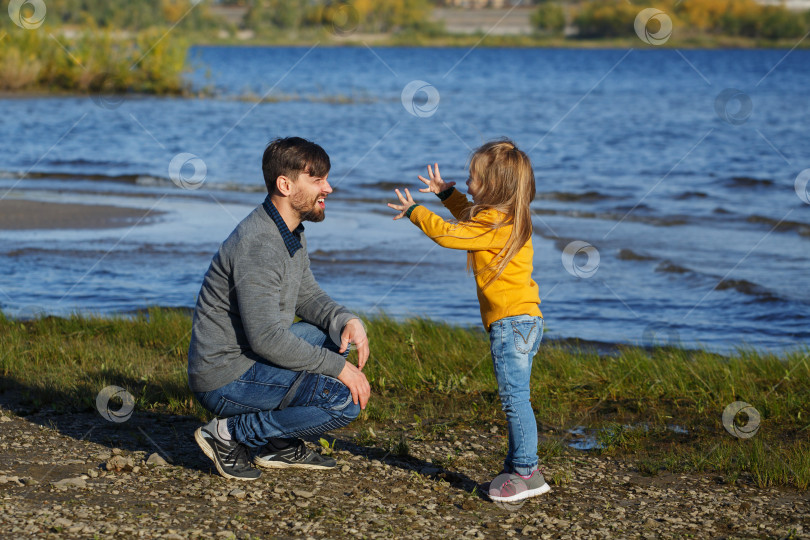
308, 210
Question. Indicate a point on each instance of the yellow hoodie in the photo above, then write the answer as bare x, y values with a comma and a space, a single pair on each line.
514, 292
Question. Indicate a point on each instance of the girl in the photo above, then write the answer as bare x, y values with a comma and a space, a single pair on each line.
496, 231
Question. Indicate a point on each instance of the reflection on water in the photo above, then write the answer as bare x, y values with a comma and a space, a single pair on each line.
582, 438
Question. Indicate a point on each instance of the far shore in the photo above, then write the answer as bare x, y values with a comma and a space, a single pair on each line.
520, 41
463, 42
20, 215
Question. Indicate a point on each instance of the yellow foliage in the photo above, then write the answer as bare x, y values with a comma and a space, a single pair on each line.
17, 72
173, 10
703, 14
93, 61
364, 8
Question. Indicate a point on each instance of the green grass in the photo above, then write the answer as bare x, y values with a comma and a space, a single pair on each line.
427, 376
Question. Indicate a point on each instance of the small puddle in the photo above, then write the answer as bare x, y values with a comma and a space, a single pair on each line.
588, 439
582, 440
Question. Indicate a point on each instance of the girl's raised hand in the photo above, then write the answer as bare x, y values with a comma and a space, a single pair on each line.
406, 201
435, 184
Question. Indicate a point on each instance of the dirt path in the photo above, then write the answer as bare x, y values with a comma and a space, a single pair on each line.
53, 483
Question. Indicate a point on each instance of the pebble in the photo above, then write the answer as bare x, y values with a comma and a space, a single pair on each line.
303, 493
119, 463
238, 493
78, 482
11, 480
157, 460
62, 522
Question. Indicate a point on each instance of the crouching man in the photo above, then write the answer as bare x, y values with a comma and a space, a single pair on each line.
268, 380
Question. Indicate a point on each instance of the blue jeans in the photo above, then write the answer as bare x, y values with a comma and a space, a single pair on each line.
514, 342
272, 402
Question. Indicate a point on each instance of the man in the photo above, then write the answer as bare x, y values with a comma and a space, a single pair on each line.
267, 379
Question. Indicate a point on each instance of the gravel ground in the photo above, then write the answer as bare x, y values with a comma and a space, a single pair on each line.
80, 476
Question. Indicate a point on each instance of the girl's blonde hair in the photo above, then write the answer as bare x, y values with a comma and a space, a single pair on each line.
506, 184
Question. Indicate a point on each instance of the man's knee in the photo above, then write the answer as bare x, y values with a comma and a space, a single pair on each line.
344, 407
352, 411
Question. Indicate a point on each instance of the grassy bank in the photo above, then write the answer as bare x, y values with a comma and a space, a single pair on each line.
449, 40
427, 376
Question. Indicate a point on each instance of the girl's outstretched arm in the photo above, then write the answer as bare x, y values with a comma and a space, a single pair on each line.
470, 236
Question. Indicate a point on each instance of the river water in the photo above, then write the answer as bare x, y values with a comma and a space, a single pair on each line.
678, 169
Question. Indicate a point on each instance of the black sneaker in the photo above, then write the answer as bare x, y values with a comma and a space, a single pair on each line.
297, 455
230, 457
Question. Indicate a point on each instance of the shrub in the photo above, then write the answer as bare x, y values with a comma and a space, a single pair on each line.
606, 18
549, 17
94, 61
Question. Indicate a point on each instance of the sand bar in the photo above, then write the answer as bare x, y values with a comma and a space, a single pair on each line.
17, 215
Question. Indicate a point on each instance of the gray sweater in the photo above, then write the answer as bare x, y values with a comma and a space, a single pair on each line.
250, 296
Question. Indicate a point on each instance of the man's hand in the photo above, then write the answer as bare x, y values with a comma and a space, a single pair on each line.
435, 184
357, 383
406, 201
354, 332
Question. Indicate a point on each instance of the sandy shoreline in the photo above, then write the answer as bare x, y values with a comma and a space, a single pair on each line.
19, 215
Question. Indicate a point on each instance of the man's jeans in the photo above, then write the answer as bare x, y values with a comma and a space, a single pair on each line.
270, 402
514, 341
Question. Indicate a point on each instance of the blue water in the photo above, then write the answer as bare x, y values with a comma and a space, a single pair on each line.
701, 235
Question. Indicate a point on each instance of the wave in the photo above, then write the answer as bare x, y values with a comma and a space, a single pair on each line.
740, 285
128, 178
669, 266
748, 182
691, 195
781, 225
567, 196
155, 181
630, 255
84, 163
747, 287
143, 180
173, 249
657, 221
674, 220
693, 278
331, 99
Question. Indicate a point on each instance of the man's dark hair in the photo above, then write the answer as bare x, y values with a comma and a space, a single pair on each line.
291, 156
